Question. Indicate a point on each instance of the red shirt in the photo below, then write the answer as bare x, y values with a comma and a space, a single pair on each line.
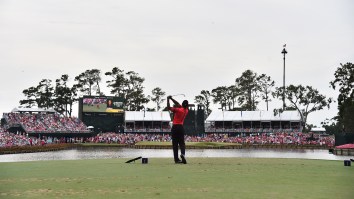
180, 114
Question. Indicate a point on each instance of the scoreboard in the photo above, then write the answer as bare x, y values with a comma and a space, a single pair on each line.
104, 113
102, 104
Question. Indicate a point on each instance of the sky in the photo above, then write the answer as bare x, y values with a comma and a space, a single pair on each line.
183, 46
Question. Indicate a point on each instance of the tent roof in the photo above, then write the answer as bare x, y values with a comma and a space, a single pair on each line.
318, 129
253, 116
131, 116
33, 109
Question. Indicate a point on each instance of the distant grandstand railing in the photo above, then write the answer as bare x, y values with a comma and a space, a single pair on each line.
44, 132
248, 130
141, 130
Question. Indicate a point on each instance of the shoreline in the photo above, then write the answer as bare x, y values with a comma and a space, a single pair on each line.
58, 147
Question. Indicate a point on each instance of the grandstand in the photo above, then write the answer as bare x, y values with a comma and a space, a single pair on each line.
252, 122
36, 121
40, 126
141, 121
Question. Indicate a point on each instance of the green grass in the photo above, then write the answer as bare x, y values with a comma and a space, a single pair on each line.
161, 178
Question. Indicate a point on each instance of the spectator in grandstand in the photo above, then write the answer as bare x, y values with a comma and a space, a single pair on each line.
259, 139
46, 123
180, 113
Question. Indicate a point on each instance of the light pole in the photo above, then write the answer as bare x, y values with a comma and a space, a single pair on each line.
284, 52
143, 107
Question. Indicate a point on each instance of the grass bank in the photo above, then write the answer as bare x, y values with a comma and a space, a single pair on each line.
161, 178
35, 148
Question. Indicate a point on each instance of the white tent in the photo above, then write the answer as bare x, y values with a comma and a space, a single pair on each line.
316, 130
23, 109
263, 116
151, 121
134, 116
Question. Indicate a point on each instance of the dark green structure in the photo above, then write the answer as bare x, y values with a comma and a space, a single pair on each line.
200, 119
189, 121
194, 122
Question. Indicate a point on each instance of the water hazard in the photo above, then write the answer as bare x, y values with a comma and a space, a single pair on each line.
106, 153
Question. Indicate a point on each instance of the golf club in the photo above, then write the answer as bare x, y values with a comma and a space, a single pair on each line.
178, 95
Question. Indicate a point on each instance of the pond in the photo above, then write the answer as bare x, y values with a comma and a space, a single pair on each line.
106, 153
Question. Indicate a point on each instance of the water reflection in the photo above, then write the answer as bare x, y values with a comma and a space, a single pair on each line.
106, 153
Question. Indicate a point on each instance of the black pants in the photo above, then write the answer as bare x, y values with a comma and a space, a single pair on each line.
178, 140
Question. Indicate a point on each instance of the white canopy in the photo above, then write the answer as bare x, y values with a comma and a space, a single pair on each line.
318, 129
264, 116
33, 109
132, 116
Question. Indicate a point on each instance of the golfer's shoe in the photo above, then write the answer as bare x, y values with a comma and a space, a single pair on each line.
178, 162
184, 161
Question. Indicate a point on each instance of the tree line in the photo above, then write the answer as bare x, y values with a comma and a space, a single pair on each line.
245, 94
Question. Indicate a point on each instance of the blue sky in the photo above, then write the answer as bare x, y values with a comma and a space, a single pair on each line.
180, 46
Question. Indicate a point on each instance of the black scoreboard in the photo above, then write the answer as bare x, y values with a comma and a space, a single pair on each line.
103, 113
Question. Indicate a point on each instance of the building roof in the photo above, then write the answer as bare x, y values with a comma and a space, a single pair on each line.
131, 116
265, 116
33, 109
318, 129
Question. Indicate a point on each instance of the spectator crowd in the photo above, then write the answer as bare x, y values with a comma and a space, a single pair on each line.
8, 139
297, 138
46, 123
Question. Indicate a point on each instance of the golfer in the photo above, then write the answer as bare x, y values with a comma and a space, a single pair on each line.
179, 114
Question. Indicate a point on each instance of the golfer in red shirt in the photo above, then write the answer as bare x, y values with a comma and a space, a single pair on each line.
180, 113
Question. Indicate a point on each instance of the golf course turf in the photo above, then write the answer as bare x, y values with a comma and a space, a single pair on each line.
161, 178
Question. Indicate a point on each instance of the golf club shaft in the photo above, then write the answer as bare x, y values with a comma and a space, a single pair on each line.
178, 95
